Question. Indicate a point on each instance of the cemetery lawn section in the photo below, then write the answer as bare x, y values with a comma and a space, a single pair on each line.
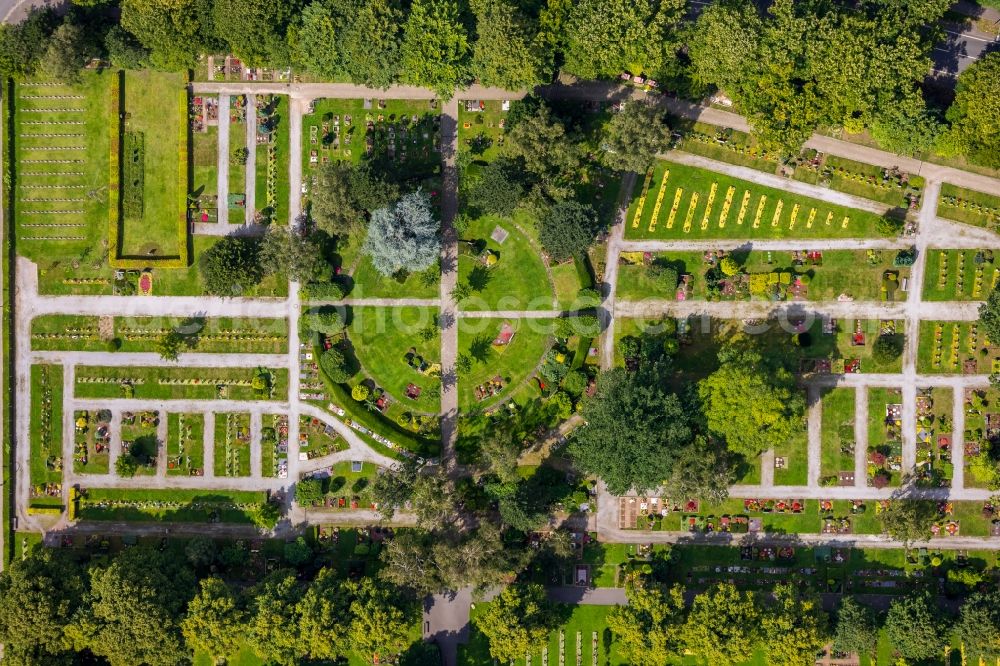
153, 104
397, 348
508, 275
960, 275
47, 417
955, 347
838, 432
272, 193
177, 383
513, 363
969, 206
366, 282
186, 506
701, 210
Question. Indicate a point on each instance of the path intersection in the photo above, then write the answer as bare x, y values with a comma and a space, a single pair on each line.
932, 232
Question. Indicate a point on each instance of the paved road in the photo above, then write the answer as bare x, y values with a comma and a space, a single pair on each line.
449, 280
961, 48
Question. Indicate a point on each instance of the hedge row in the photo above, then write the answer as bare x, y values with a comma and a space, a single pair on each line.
133, 174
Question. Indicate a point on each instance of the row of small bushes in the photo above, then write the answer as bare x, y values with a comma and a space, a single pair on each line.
133, 174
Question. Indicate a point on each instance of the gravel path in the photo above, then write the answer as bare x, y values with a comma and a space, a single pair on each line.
222, 167
250, 190
449, 280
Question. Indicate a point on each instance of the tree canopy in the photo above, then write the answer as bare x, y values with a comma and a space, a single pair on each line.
975, 113
649, 627
753, 405
435, 49
723, 625
404, 236
914, 627
518, 619
568, 228
634, 136
507, 52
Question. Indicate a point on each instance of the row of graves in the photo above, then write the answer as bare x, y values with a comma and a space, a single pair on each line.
337, 494
275, 437
956, 345
398, 139
311, 385
317, 439
231, 68
933, 465
884, 462
982, 259
495, 386
859, 341
92, 440
267, 125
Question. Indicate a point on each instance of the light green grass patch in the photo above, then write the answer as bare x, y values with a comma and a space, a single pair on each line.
959, 275
513, 363
838, 418
517, 281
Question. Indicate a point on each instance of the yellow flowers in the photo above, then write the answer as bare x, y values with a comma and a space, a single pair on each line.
743, 207
812, 216
843, 225
725, 206
777, 213
708, 206
673, 209
795, 214
760, 211
690, 213
642, 200
829, 218
659, 200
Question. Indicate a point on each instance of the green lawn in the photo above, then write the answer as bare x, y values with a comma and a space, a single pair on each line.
272, 195
513, 363
582, 620
569, 278
152, 101
382, 338
237, 140
517, 281
795, 453
185, 443
185, 506
838, 431
232, 444
946, 347
693, 219
959, 275
42, 124
969, 206
46, 426
737, 147
205, 163
369, 283
141, 334
100, 382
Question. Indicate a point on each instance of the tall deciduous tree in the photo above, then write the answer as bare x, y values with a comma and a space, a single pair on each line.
794, 627
607, 37
254, 29
989, 315
908, 520
370, 43
214, 623
857, 628
519, 618
404, 236
314, 39
975, 113
324, 613
379, 628
232, 266
168, 28
133, 610
724, 625
435, 49
634, 137
294, 254
38, 597
915, 628
978, 626
648, 629
550, 156
507, 52
634, 429
344, 194
69, 49
568, 228
496, 190
753, 405
273, 631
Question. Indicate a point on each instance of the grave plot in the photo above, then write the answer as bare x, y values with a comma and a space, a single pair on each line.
346, 486
272, 193
727, 145
317, 439
232, 444
982, 437
92, 441
178, 383
481, 127
952, 347
143, 334
274, 445
934, 437
885, 443
959, 275
60, 141
890, 186
140, 444
205, 158
401, 138
677, 201
238, 156
837, 461
185, 444
969, 206
46, 426
791, 458
806, 275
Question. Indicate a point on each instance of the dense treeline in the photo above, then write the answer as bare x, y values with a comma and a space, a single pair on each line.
144, 606
798, 67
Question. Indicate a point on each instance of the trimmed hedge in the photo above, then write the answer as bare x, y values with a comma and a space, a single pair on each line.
133, 173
